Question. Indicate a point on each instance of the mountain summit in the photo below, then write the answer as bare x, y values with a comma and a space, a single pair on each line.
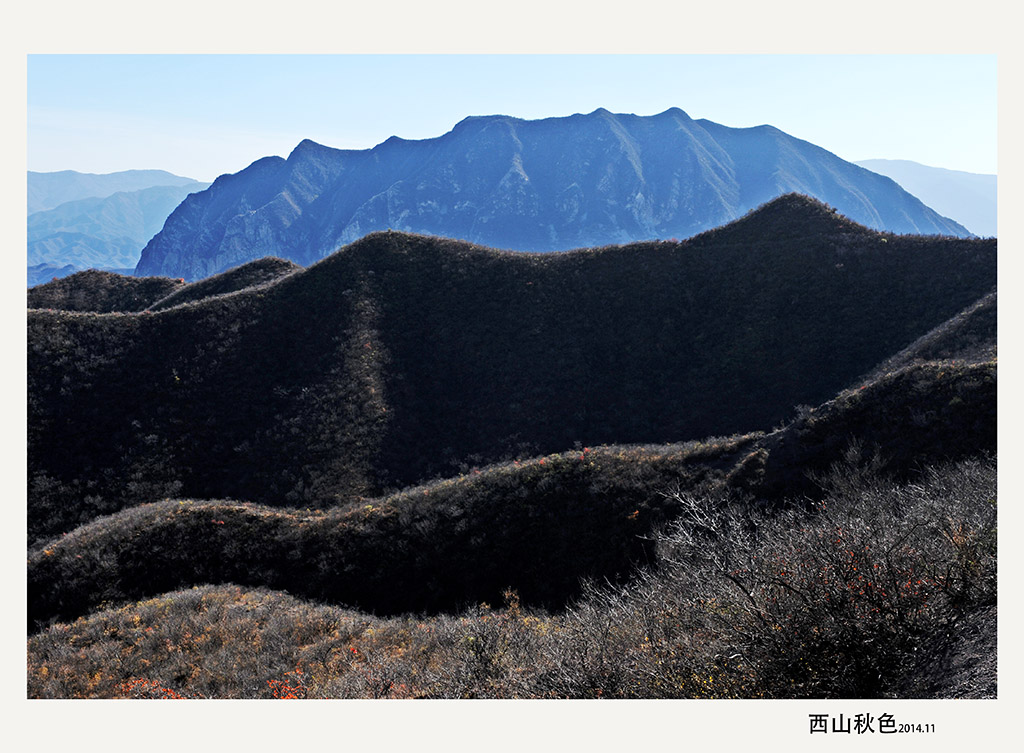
532, 185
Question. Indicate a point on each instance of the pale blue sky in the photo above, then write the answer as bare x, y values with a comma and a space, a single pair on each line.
202, 116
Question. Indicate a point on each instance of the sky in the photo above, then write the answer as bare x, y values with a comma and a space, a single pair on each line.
204, 115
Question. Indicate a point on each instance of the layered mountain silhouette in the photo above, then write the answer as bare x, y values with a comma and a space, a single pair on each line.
968, 198
403, 357
102, 233
101, 291
552, 184
81, 221
771, 442
580, 513
51, 189
38, 274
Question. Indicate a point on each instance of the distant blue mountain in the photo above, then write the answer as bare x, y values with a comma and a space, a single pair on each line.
541, 185
40, 273
99, 233
49, 190
968, 198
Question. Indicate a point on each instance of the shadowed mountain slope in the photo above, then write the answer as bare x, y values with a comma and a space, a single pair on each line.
537, 526
100, 292
401, 358
255, 273
542, 185
107, 292
969, 337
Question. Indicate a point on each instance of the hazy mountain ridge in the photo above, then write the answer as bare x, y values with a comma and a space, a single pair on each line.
103, 233
47, 190
968, 198
559, 183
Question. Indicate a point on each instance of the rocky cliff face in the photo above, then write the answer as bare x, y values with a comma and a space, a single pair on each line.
543, 185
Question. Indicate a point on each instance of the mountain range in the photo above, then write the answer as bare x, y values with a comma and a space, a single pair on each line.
47, 190
402, 357
968, 198
102, 232
105, 229
542, 185
753, 463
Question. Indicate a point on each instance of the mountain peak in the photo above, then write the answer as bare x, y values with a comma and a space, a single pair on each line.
792, 215
675, 112
308, 148
481, 119
530, 185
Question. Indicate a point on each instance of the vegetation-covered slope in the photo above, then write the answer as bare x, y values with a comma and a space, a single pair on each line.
838, 554
101, 292
970, 336
403, 358
538, 526
260, 272
880, 590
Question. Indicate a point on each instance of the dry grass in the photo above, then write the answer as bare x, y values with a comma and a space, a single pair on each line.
877, 590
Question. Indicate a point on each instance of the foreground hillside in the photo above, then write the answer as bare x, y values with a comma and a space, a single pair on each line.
879, 590
915, 572
542, 185
403, 358
101, 292
759, 463
540, 526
